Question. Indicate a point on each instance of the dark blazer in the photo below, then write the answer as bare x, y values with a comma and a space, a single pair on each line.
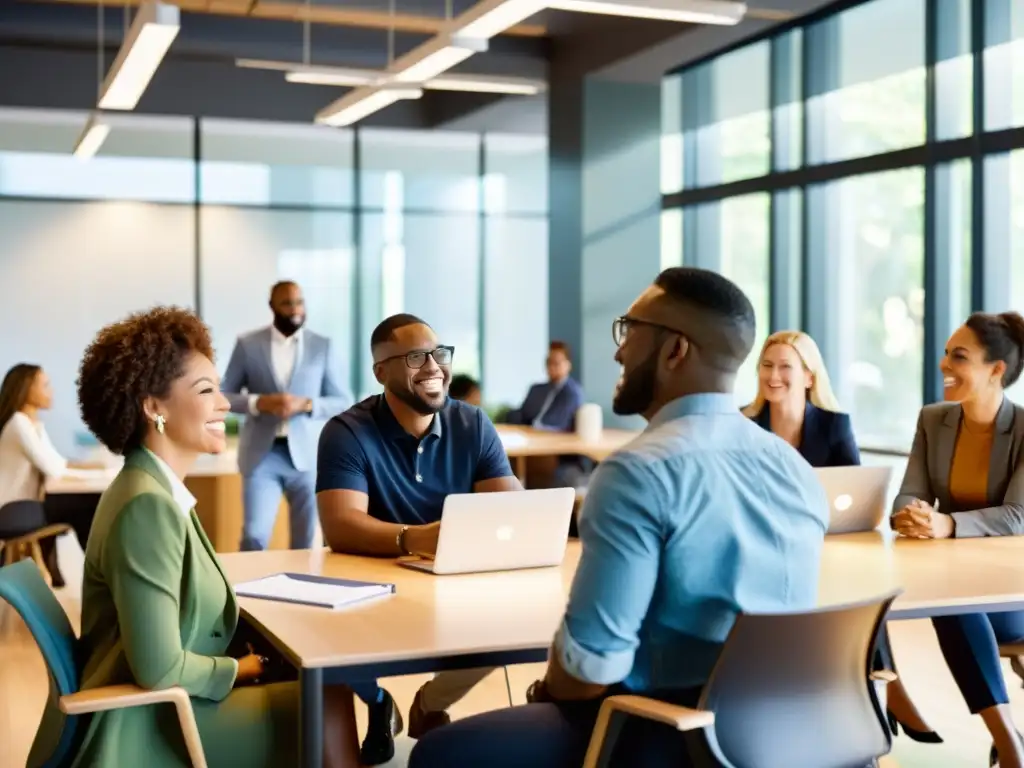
826, 439
931, 459
560, 415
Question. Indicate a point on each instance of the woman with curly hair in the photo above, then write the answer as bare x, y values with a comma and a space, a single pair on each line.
157, 610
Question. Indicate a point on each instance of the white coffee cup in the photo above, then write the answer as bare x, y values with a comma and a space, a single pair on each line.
589, 422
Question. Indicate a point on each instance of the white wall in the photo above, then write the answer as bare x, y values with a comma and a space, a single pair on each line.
70, 268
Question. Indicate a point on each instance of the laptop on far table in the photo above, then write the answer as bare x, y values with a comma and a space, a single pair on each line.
856, 497
501, 531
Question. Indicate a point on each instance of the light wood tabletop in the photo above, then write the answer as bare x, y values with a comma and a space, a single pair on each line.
526, 441
446, 616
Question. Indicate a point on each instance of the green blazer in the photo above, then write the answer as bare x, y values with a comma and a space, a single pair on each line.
157, 611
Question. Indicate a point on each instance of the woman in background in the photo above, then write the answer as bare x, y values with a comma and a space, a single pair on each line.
28, 458
795, 401
965, 478
157, 610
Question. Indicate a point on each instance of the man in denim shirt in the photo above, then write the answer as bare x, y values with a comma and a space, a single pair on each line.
703, 516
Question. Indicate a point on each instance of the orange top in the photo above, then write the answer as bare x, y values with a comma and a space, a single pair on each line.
968, 476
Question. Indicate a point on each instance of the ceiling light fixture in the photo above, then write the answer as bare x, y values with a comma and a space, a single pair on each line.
488, 18
354, 106
723, 12
513, 86
91, 138
353, 78
152, 31
437, 55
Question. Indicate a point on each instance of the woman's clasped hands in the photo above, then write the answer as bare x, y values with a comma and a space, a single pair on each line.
920, 520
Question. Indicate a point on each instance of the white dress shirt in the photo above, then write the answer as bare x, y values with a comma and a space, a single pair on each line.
284, 354
183, 498
27, 458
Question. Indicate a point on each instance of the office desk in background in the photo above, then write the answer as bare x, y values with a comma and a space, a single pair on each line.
217, 484
434, 623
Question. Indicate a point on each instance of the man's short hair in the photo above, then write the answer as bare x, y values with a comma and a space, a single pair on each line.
561, 346
385, 331
279, 285
462, 386
730, 315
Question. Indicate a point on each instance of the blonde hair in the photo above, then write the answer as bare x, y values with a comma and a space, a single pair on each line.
821, 394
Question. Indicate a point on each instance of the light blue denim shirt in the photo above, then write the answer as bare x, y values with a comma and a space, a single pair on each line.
703, 516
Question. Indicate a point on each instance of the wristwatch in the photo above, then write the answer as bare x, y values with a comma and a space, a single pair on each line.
308, 407
400, 541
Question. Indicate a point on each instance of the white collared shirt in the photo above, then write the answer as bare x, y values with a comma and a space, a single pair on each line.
183, 498
284, 355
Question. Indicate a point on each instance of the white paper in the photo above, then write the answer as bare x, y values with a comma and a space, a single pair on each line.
283, 587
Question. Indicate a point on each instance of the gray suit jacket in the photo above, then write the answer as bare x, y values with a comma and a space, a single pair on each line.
251, 372
931, 459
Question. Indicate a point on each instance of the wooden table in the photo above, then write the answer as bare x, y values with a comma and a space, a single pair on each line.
523, 442
434, 623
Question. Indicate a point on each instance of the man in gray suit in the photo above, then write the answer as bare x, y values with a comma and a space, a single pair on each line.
285, 380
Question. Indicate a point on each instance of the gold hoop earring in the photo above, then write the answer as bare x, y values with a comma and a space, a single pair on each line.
159, 421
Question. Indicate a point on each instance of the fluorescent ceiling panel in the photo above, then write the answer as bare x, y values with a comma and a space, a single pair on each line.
517, 86
691, 11
354, 106
347, 77
332, 76
492, 17
437, 55
152, 31
91, 138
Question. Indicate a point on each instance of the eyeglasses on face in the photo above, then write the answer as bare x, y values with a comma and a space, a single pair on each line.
414, 360
621, 327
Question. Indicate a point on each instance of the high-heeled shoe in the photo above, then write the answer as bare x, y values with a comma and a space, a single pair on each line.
993, 754
924, 737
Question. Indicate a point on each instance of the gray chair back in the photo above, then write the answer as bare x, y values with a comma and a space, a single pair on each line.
793, 690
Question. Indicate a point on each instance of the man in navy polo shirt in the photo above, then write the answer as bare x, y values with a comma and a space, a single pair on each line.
384, 468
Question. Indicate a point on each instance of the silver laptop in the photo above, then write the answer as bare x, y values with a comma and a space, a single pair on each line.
501, 531
856, 497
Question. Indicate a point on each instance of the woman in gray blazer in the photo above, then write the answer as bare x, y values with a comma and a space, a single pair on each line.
965, 478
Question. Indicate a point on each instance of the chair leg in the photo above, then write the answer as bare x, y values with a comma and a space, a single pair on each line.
37, 557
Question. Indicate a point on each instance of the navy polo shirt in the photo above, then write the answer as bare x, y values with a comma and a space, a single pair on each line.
365, 449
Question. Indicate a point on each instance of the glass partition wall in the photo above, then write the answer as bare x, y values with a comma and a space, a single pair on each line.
209, 213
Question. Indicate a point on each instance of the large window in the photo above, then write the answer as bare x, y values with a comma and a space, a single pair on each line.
867, 287
876, 227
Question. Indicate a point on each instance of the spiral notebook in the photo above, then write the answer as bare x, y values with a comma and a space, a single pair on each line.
303, 589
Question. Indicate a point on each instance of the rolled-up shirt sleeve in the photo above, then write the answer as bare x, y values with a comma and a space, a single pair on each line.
621, 531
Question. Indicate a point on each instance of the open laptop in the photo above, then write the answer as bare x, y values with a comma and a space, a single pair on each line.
501, 531
856, 497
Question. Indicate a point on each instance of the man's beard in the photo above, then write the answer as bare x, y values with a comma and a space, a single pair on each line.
418, 404
287, 324
637, 390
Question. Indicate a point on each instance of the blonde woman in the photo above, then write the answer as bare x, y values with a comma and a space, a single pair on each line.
795, 401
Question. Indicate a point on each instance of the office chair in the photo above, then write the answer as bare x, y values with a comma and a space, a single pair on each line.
788, 691
22, 586
22, 526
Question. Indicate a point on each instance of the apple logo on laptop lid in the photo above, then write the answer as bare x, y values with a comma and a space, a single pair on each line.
504, 533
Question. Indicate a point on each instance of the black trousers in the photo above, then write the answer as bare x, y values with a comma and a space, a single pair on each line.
554, 735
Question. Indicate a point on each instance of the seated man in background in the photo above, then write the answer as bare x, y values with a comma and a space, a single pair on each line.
466, 389
552, 406
384, 469
703, 516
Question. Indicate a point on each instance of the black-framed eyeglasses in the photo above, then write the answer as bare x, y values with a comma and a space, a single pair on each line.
622, 325
441, 355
